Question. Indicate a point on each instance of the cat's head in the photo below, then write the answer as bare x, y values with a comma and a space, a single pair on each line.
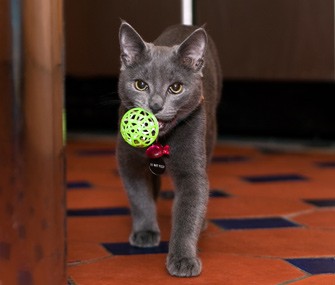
165, 80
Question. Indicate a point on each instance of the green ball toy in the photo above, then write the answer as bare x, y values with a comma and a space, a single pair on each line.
139, 128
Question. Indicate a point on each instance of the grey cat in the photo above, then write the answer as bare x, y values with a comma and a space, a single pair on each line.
178, 78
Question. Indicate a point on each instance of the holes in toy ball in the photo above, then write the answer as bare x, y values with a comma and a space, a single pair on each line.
139, 128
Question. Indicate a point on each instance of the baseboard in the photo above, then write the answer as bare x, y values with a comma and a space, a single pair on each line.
297, 110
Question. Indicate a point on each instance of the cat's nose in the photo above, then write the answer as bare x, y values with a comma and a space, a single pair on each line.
156, 104
155, 108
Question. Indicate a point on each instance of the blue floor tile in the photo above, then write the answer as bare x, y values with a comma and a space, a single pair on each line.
119, 211
217, 193
270, 151
79, 185
274, 178
254, 223
213, 193
96, 152
167, 194
229, 158
127, 249
5, 251
326, 164
315, 265
321, 202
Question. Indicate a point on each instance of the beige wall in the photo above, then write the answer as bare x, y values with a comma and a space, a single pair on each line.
92, 46
257, 39
273, 39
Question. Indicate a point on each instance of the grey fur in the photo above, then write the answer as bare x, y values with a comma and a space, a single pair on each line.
186, 55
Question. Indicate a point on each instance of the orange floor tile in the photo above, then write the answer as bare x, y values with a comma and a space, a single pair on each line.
271, 218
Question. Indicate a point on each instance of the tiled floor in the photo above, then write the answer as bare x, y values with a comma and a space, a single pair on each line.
271, 219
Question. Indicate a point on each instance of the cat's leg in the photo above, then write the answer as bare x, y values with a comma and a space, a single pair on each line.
189, 212
140, 187
187, 165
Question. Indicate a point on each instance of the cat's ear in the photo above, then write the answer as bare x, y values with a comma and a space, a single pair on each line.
192, 50
131, 45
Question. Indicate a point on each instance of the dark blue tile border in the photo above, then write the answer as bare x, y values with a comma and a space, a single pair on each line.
314, 265
117, 211
254, 223
213, 193
270, 151
78, 185
321, 202
5, 251
274, 178
325, 164
217, 193
127, 249
167, 194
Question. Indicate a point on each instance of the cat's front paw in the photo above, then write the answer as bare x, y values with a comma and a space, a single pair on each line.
145, 239
183, 266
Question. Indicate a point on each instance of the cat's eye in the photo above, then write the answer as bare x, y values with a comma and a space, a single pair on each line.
140, 85
176, 88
